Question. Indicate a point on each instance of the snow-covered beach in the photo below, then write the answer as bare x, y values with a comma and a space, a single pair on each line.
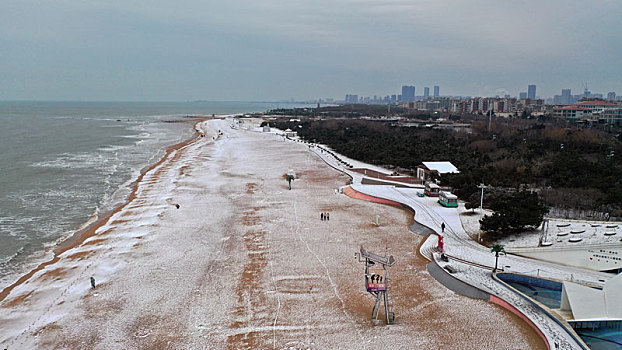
214, 251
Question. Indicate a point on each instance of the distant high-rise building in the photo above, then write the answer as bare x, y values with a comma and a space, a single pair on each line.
531, 92
611, 96
426, 92
522, 95
436, 91
408, 93
352, 98
566, 98
393, 98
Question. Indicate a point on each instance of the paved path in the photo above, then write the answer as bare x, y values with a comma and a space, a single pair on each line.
476, 260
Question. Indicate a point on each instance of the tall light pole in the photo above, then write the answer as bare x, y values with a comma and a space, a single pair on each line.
481, 210
481, 201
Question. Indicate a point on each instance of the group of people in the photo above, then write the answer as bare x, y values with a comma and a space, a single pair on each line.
325, 216
376, 278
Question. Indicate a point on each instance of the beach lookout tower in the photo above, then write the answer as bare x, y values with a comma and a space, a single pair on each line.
377, 282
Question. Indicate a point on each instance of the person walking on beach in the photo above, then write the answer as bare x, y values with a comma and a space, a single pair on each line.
322, 216
92, 282
327, 216
443, 227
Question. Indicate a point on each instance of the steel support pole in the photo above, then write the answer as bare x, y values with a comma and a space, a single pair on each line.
386, 307
376, 310
481, 211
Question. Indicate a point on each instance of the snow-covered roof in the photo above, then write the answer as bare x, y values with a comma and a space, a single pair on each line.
448, 195
593, 304
571, 108
441, 167
595, 103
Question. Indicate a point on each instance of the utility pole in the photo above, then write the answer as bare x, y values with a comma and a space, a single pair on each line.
481, 210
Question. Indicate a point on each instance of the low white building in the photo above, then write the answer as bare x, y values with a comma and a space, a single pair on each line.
571, 112
596, 106
584, 110
430, 170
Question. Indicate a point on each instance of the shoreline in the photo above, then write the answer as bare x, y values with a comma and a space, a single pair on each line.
71, 241
281, 278
78, 237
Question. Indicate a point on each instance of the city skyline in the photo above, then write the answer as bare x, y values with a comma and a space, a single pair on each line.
244, 50
566, 96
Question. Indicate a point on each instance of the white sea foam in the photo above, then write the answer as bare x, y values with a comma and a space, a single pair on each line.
142, 135
114, 148
73, 161
4, 261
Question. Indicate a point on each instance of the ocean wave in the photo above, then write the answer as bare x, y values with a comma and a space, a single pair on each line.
7, 259
72, 161
66, 201
112, 148
20, 263
9, 221
92, 219
87, 171
86, 118
142, 135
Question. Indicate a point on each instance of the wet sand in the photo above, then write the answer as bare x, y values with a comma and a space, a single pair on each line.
245, 263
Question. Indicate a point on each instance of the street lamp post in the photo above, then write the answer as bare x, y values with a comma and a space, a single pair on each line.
481, 210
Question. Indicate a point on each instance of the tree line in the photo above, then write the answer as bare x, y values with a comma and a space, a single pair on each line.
567, 166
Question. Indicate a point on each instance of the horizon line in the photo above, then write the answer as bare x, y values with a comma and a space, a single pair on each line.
155, 101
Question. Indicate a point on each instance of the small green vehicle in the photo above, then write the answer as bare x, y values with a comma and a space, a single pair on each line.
447, 199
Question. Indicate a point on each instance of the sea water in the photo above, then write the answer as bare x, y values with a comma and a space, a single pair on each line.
64, 164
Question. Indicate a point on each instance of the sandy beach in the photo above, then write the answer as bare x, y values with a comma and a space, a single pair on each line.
212, 251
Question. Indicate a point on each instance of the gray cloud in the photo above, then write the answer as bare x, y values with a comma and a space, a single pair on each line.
243, 49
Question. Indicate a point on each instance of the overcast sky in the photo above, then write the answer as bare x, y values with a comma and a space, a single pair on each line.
304, 49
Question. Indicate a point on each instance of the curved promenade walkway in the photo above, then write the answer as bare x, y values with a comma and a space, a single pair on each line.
471, 262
